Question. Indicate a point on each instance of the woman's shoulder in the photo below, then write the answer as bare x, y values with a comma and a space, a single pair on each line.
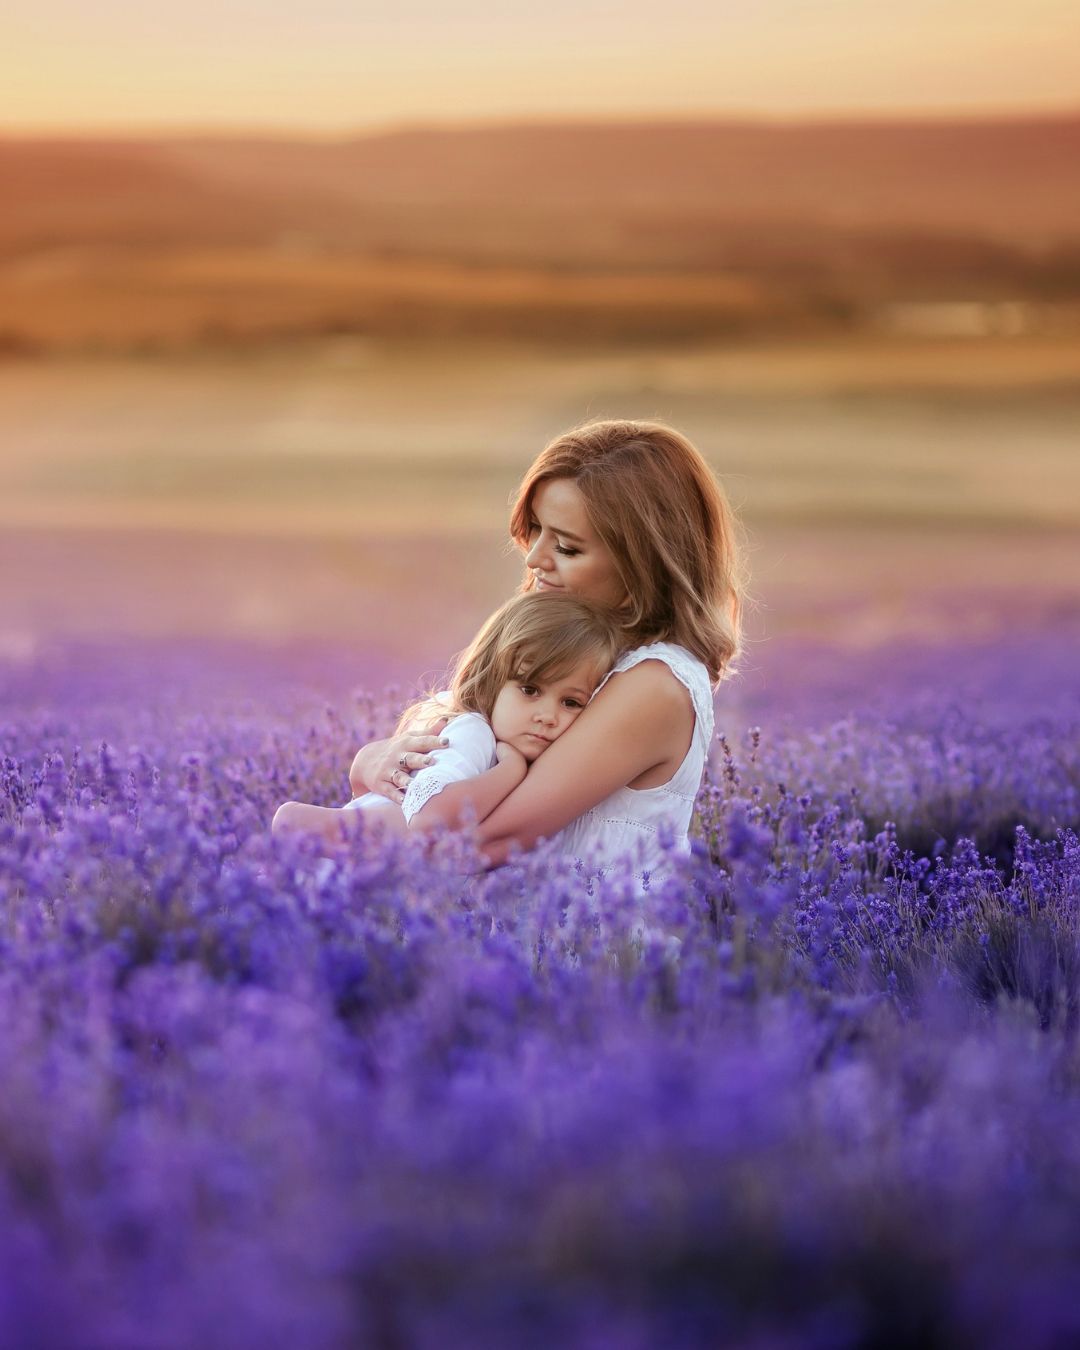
669, 652
687, 669
682, 663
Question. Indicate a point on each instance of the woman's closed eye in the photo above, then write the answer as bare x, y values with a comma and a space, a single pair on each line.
534, 530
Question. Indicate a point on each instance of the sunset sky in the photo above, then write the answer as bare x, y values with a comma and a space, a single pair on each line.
333, 65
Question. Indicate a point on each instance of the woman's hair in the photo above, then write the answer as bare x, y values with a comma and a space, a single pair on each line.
657, 507
531, 639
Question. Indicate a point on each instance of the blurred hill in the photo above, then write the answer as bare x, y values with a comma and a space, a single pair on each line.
632, 231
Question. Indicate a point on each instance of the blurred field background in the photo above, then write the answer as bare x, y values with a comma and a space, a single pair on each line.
276, 389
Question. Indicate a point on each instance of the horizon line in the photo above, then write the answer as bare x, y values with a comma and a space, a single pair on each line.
181, 130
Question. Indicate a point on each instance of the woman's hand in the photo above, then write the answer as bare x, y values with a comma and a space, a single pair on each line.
386, 766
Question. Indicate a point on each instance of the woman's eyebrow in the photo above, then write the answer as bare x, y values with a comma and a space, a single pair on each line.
566, 534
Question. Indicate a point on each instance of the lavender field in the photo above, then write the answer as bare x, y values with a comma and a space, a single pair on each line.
249, 1101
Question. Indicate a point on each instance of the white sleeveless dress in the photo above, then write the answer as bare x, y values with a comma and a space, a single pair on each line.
645, 824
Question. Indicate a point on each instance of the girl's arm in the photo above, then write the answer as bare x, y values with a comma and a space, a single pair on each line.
472, 799
642, 719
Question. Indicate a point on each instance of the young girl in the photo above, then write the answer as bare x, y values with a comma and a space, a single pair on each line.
626, 514
523, 680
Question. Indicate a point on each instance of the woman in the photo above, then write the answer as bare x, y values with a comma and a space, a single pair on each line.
629, 515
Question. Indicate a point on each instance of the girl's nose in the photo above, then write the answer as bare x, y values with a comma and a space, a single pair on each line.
545, 713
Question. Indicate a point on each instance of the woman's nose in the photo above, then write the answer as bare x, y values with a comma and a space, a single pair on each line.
536, 555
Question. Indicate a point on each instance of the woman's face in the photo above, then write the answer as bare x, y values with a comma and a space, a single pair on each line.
564, 552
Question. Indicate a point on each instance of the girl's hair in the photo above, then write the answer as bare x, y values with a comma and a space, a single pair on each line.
659, 510
533, 638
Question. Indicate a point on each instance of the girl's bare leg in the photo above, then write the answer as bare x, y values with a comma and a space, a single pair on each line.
329, 822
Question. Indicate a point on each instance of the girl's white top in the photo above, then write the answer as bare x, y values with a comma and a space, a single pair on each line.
635, 822
471, 752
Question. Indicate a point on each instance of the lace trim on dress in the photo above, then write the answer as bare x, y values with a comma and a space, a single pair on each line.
421, 792
622, 820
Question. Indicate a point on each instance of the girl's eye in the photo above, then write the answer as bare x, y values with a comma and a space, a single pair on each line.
529, 690
573, 703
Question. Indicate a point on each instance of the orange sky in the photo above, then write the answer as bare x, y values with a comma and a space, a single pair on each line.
331, 65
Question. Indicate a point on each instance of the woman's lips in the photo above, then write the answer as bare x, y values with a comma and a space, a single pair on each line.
542, 585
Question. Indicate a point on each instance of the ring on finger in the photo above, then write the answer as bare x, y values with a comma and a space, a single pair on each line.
401, 760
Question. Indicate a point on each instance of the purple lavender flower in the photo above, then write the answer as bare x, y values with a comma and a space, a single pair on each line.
814, 1089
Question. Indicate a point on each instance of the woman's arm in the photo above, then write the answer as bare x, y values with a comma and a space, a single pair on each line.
473, 799
642, 719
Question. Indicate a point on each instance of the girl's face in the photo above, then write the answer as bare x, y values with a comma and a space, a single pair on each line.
530, 716
565, 553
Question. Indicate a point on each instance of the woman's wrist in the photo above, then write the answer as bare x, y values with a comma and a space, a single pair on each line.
362, 767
